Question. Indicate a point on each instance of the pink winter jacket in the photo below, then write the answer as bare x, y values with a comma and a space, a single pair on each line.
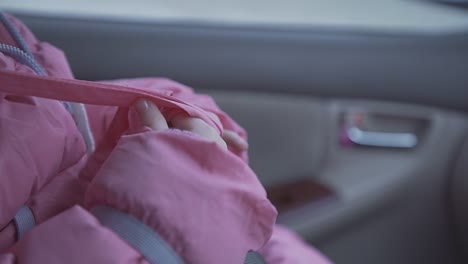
62, 191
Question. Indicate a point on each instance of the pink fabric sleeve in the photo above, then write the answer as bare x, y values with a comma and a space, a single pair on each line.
204, 201
285, 247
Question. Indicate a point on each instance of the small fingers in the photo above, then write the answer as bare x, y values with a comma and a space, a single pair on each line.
199, 127
233, 139
150, 115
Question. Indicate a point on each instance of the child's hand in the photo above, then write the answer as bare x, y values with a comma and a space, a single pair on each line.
151, 117
231, 138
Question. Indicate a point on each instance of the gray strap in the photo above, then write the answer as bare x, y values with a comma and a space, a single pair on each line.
138, 235
145, 240
24, 221
253, 258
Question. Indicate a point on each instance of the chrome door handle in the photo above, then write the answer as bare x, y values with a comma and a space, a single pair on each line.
381, 139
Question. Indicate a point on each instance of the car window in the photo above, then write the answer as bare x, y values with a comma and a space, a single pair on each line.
401, 15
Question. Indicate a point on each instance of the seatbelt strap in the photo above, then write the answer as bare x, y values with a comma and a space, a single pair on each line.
254, 258
144, 239
24, 221
138, 235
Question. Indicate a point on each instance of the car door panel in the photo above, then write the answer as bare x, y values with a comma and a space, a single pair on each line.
402, 191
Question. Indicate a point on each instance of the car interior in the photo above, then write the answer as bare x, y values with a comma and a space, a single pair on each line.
357, 111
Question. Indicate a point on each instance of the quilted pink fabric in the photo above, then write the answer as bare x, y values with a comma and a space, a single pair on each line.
204, 201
